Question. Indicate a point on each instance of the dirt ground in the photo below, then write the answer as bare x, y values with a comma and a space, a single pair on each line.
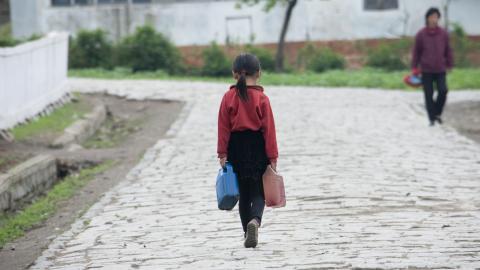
465, 118
145, 121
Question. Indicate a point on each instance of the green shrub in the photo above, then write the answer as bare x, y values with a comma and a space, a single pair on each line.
266, 58
215, 62
387, 56
319, 60
147, 49
6, 41
305, 54
326, 59
5, 30
33, 37
461, 46
90, 49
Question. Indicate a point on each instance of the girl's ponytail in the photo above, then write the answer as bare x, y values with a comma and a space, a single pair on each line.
242, 87
245, 65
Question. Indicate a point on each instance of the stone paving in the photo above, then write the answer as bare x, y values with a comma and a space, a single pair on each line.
369, 186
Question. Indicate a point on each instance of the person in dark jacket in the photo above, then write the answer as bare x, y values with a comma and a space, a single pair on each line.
432, 57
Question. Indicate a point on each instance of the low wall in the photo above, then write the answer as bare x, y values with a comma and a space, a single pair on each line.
26, 181
32, 76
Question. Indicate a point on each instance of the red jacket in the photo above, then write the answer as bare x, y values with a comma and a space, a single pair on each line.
432, 51
255, 114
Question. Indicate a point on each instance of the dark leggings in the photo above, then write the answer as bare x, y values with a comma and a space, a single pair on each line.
252, 201
434, 107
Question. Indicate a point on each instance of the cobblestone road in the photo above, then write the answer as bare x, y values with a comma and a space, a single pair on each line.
369, 185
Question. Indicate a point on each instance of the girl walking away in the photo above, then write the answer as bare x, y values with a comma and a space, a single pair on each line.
433, 54
247, 140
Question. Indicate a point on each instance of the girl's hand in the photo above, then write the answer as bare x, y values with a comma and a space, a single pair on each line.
274, 165
223, 161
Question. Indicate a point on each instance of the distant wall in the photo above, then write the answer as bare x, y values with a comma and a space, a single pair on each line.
354, 51
32, 76
199, 22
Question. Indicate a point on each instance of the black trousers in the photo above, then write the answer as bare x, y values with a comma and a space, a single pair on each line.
252, 200
434, 106
246, 152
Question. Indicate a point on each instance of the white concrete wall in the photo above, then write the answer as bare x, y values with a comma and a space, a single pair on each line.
200, 22
466, 14
25, 18
32, 76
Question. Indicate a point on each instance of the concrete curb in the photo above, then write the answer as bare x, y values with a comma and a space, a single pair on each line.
5, 134
27, 180
79, 131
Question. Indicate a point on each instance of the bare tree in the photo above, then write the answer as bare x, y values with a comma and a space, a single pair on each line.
446, 8
269, 4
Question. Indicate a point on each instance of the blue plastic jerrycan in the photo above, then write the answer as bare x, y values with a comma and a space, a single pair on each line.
228, 192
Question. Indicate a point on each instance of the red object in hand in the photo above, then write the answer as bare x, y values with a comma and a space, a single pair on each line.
416, 71
274, 189
413, 80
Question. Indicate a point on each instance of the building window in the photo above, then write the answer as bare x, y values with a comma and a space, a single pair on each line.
99, 2
83, 2
71, 2
102, 2
374, 5
60, 2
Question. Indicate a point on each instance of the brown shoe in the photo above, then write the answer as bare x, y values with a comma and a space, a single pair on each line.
251, 240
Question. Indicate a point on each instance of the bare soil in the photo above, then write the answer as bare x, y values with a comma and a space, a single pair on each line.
465, 118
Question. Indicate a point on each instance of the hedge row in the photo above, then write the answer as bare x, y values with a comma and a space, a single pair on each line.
148, 50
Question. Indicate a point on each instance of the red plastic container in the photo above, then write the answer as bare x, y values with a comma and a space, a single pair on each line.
274, 188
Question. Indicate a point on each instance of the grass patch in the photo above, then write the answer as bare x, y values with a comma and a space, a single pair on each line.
113, 132
53, 123
15, 225
3, 161
466, 78
124, 73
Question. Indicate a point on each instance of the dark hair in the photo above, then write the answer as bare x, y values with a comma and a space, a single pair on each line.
430, 12
245, 64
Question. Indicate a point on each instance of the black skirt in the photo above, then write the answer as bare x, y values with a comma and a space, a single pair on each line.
246, 153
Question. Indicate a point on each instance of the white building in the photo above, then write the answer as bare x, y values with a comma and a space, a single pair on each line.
198, 22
